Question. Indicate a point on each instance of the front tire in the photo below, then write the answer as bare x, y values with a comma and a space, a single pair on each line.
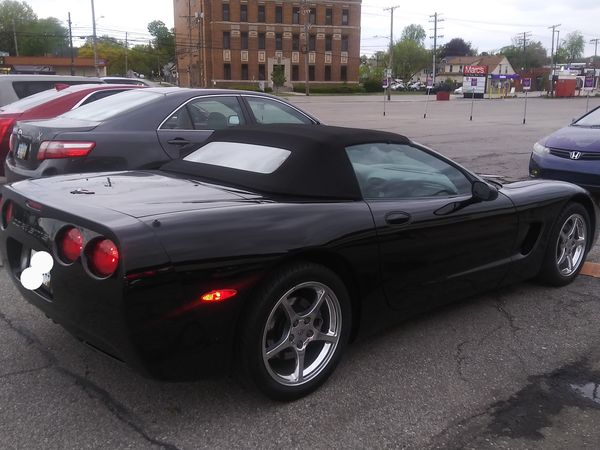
567, 246
296, 331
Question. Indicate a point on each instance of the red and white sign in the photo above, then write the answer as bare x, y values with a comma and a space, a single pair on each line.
475, 71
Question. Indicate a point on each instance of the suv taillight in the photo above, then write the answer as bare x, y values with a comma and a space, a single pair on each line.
7, 212
69, 244
103, 257
64, 149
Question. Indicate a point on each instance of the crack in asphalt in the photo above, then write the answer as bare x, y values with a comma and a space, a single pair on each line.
92, 390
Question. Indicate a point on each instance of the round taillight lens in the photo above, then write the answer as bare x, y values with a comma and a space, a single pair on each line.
103, 257
70, 244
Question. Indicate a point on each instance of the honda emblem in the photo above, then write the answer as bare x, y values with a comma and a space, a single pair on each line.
575, 155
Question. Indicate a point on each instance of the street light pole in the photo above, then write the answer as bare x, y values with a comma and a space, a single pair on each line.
94, 41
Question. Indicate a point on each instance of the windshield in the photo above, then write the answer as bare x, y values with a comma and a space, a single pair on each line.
592, 119
34, 100
111, 106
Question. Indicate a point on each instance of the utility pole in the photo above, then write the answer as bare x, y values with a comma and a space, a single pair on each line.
306, 14
435, 21
391, 59
126, 54
71, 46
15, 37
595, 42
523, 40
552, 61
201, 54
94, 40
202, 14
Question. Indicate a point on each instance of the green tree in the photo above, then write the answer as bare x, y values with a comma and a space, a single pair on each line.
415, 33
457, 47
534, 55
278, 76
164, 40
44, 36
21, 15
409, 58
571, 48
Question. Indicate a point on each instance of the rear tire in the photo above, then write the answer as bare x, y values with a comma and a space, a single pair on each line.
567, 246
296, 331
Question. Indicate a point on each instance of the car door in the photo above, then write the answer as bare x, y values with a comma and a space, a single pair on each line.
436, 241
185, 129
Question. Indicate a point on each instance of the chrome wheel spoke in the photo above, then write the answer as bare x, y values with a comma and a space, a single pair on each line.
331, 338
316, 306
287, 307
562, 257
569, 263
299, 369
283, 344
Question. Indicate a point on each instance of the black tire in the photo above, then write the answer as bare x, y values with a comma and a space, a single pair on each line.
569, 235
281, 333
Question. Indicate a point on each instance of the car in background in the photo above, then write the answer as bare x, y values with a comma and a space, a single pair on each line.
15, 87
136, 81
571, 153
268, 249
50, 103
459, 90
417, 86
139, 129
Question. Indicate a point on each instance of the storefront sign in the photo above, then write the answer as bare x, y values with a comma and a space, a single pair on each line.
475, 71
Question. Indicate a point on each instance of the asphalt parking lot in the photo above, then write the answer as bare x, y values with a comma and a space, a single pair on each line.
516, 368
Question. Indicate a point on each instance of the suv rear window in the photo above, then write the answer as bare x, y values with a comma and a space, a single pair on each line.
27, 88
111, 106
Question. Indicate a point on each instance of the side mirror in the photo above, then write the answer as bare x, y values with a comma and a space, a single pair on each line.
483, 191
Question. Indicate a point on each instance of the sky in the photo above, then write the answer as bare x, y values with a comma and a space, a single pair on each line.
487, 25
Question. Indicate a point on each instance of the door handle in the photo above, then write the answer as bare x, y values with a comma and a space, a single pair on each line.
178, 141
397, 218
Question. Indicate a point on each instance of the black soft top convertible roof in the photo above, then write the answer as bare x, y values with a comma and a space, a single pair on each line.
318, 165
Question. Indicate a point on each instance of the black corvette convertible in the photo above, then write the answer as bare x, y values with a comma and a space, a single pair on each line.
267, 250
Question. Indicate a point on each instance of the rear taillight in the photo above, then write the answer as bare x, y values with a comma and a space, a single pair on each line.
69, 244
6, 126
64, 149
103, 257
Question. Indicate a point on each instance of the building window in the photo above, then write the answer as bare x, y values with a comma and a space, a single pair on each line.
329, 16
311, 73
244, 40
278, 41
226, 12
244, 13
327, 73
450, 68
279, 14
261, 41
262, 74
312, 43
295, 15
295, 73
328, 43
345, 17
344, 43
344, 73
226, 39
312, 16
296, 42
227, 71
261, 13
244, 71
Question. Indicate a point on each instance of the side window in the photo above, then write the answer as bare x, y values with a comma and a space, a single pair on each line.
26, 88
267, 111
208, 113
402, 171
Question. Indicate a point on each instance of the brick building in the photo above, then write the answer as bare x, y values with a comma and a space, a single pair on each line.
238, 42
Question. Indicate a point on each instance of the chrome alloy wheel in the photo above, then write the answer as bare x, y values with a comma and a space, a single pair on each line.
571, 244
302, 333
